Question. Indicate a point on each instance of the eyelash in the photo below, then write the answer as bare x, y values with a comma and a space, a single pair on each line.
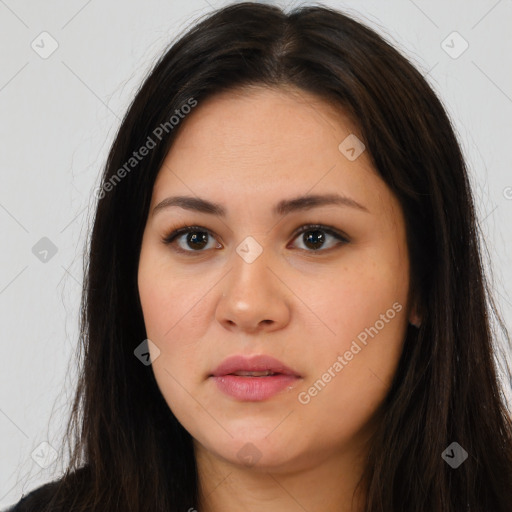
173, 235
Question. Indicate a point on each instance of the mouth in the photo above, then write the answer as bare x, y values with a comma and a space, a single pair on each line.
243, 373
254, 379
255, 366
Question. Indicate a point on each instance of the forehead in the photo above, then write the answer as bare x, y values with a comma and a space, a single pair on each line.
267, 143
277, 120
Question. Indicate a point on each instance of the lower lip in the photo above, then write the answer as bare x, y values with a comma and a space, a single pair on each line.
254, 388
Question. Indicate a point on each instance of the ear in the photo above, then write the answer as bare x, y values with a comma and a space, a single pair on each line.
414, 317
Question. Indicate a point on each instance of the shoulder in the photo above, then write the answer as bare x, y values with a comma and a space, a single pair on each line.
39, 498
36, 500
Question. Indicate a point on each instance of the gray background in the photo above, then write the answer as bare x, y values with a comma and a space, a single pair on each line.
58, 116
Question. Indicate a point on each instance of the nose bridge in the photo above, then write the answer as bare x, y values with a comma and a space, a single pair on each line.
249, 271
252, 296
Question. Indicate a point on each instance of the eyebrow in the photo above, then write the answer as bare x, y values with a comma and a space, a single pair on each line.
282, 208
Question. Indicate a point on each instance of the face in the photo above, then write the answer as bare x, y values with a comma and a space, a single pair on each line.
319, 284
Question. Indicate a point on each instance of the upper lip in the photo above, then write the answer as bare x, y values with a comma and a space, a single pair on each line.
258, 363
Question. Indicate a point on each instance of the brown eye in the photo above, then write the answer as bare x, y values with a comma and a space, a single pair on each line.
313, 239
197, 239
317, 238
191, 239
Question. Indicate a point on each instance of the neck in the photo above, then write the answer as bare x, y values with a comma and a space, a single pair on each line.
326, 484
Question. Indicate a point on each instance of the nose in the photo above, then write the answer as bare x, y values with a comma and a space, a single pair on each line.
254, 297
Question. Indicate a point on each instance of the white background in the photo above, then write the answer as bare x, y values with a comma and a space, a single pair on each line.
58, 117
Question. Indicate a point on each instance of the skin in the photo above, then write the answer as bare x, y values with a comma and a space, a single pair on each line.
247, 150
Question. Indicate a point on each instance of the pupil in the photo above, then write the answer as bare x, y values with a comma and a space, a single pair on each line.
315, 238
198, 237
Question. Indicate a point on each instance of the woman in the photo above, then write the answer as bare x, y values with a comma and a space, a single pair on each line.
285, 306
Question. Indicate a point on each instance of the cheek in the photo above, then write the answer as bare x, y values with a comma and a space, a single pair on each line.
352, 369
158, 304
175, 311
168, 300
354, 297
362, 308
167, 313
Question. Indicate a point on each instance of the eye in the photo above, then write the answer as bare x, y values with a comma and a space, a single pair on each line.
196, 239
191, 239
317, 238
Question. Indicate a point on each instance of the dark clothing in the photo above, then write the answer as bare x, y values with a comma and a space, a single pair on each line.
36, 500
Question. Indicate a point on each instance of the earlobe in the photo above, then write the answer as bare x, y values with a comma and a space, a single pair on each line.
414, 318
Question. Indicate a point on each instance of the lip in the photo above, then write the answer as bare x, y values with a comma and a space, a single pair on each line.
257, 363
248, 388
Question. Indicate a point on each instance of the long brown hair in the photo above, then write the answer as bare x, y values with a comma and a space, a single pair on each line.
134, 454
